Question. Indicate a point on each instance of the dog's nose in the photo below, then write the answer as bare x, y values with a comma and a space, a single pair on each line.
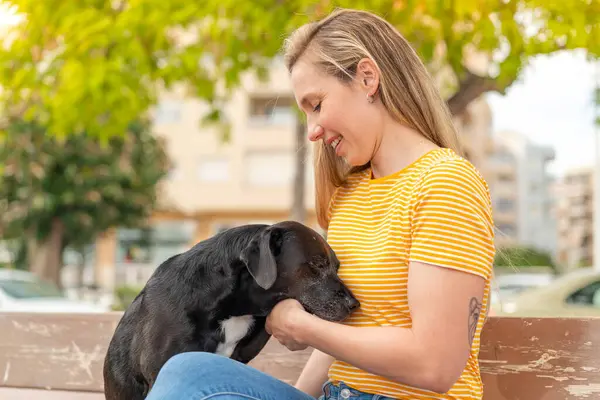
353, 304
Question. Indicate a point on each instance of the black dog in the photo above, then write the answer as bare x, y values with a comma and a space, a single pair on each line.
215, 298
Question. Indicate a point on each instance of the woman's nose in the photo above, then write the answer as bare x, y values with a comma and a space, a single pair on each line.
316, 133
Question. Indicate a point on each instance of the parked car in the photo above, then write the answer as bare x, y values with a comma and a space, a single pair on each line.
506, 287
23, 291
574, 294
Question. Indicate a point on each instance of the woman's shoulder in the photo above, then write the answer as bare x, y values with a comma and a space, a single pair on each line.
451, 169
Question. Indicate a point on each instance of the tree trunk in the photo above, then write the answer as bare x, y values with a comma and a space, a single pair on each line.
45, 256
299, 185
81, 268
471, 87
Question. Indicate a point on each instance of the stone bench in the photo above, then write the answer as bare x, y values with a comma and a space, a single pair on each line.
60, 356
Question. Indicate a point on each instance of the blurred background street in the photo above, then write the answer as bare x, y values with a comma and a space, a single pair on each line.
131, 130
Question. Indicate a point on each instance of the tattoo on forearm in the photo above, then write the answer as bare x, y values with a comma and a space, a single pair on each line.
474, 311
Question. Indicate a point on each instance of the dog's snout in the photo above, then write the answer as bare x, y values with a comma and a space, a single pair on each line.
353, 303
348, 298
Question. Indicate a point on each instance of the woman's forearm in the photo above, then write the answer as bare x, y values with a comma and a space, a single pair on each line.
314, 374
391, 352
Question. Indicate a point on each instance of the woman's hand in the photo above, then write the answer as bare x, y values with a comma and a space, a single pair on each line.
284, 323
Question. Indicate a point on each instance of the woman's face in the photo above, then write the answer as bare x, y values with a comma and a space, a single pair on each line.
339, 113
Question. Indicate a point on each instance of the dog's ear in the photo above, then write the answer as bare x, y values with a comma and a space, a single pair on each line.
259, 256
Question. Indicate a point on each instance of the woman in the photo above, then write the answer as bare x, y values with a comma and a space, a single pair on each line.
408, 217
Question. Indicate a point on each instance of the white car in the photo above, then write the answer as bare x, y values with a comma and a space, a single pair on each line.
506, 287
22, 291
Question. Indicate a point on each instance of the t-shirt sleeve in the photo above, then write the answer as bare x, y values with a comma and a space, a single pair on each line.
452, 223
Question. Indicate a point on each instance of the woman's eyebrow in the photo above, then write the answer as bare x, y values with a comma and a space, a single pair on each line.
305, 101
308, 97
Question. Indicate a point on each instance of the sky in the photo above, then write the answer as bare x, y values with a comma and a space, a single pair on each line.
552, 104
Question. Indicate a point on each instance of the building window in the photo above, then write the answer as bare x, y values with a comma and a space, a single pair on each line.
273, 110
168, 112
504, 205
169, 238
506, 230
133, 246
502, 156
174, 173
74, 257
154, 244
213, 170
223, 226
269, 169
505, 178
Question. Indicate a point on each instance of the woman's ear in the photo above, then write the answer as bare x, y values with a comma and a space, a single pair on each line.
367, 75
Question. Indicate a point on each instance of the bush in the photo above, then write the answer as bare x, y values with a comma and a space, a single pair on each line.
523, 257
125, 296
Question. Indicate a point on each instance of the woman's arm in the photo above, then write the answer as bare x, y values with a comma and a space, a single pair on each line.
314, 374
430, 355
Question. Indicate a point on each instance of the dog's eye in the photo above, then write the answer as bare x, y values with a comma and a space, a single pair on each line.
336, 264
311, 269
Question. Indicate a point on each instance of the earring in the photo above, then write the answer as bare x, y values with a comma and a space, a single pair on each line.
370, 98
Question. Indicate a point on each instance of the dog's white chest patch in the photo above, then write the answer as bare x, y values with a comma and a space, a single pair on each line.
234, 329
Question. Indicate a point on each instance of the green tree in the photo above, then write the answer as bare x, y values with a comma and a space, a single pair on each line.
597, 102
113, 58
110, 60
58, 193
508, 34
523, 256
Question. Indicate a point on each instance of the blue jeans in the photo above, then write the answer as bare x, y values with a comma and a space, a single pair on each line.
203, 376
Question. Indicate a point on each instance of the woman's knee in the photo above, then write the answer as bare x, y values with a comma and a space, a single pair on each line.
201, 375
198, 362
189, 375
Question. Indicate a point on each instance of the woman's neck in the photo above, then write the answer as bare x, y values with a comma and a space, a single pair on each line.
399, 147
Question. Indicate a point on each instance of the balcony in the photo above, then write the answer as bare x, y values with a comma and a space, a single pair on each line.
249, 180
502, 167
504, 189
270, 123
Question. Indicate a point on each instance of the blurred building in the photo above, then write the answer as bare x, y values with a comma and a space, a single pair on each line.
475, 126
217, 181
217, 184
521, 192
503, 182
574, 211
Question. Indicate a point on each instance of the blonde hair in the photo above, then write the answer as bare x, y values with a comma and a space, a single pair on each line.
338, 42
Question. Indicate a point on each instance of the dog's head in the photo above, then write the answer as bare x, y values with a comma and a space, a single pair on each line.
292, 260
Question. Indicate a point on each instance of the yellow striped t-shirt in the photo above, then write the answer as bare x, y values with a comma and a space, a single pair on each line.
436, 210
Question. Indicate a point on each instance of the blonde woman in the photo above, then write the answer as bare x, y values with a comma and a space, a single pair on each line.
408, 217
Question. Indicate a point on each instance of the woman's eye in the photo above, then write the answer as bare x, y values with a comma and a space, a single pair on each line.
317, 107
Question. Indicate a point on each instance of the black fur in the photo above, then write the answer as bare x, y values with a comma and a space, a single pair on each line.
243, 271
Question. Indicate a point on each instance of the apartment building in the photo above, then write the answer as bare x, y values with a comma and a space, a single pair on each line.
475, 127
217, 184
521, 192
574, 211
503, 181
